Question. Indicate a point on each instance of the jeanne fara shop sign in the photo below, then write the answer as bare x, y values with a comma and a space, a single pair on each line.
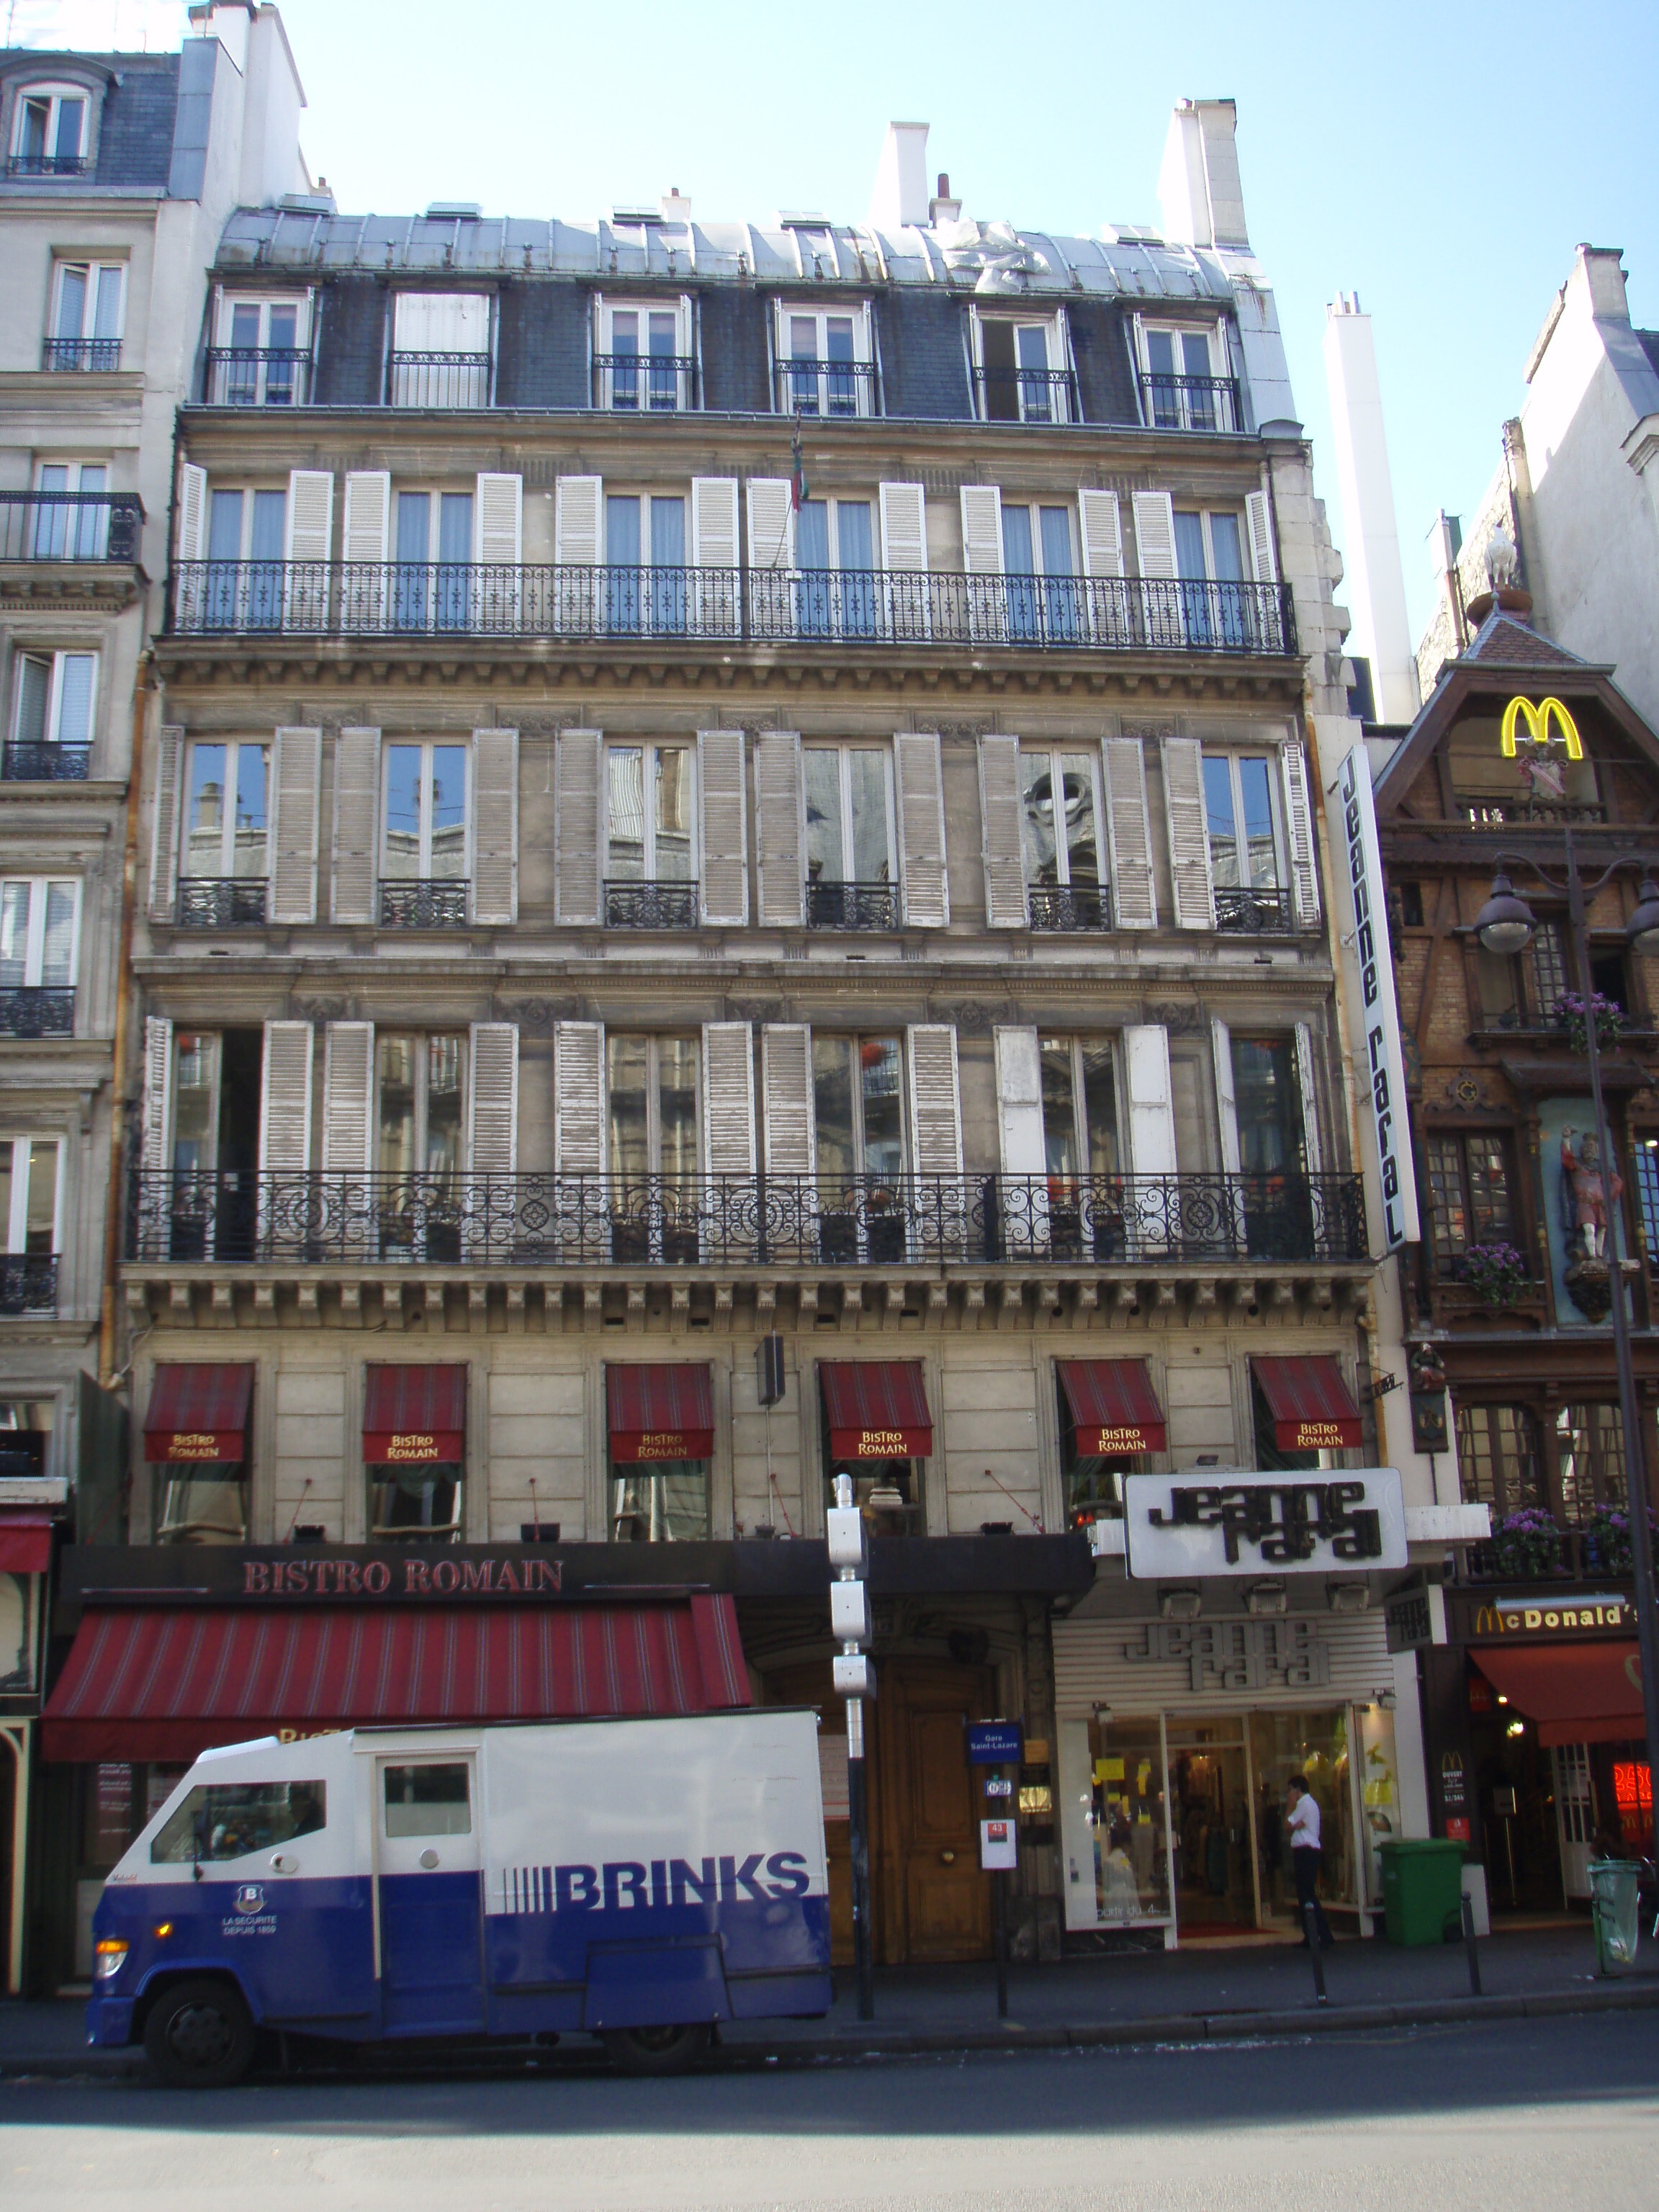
1242, 1524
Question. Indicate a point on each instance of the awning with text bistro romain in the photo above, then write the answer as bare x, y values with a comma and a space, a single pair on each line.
25, 1543
414, 1416
877, 1409
155, 1685
1309, 1403
198, 1411
658, 1413
1114, 1407
1576, 1692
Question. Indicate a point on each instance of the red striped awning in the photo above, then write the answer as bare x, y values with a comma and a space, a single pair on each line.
155, 1685
1114, 1407
659, 1412
414, 1416
1310, 1404
25, 1543
198, 1411
877, 1409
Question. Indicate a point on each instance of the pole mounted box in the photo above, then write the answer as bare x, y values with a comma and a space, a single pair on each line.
849, 1613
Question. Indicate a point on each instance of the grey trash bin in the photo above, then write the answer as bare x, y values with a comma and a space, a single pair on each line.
1613, 1908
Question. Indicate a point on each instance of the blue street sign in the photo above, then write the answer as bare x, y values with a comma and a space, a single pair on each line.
994, 1743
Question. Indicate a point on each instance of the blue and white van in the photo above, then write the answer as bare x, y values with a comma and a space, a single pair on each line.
641, 1880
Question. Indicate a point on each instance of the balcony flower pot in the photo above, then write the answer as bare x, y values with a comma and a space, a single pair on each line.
1528, 1543
1574, 1012
1608, 1547
1496, 1273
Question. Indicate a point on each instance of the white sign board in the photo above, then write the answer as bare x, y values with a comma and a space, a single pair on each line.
1329, 1520
999, 1846
1378, 1026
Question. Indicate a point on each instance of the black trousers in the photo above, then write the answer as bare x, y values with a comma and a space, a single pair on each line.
1305, 1863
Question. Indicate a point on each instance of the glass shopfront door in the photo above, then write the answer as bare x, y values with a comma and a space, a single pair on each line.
1215, 1858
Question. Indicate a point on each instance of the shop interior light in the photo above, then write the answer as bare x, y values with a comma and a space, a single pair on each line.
1516, 1728
1502, 1699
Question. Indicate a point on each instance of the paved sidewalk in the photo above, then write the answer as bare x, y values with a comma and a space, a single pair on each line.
1127, 1997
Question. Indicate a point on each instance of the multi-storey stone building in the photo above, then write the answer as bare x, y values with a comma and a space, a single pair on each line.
735, 894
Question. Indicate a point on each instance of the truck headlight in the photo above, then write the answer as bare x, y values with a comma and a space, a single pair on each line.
111, 1956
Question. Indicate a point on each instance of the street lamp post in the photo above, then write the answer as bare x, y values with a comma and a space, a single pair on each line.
1505, 925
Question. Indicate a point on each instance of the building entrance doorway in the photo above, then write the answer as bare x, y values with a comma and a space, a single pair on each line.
1211, 1796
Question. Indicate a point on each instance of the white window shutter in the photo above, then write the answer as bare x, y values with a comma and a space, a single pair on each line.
786, 1099
1259, 529
495, 825
365, 529
578, 506
310, 521
1313, 1151
935, 1099
722, 774
780, 829
1019, 1102
919, 781
192, 512
356, 813
771, 523
981, 529
1102, 533
578, 832
1128, 838
903, 526
1189, 824
579, 1097
728, 1098
1221, 1051
1299, 835
498, 521
156, 1136
164, 845
1151, 1100
1155, 534
492, 1107
349, 1098
285, 1099
714, 522
999, 821
296, 784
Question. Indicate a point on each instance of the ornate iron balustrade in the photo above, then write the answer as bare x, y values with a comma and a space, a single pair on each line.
1190, 403
69, 526
1504, 813
823, 389
221, 902
761, 606
1026, 395
645, 383
34, 760
426, 902
38, 1009
793, 1221
1069, 906
852, 906
256, 376
437, 379
49, 165
81, 353
650, 906
29, 1282
1257, 911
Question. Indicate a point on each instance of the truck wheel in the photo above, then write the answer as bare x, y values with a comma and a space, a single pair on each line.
198, 2036
655, 2049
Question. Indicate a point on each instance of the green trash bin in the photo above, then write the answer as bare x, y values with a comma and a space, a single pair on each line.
1614, 1907
1422, 1890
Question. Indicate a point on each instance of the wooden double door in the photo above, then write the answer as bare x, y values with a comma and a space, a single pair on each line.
930, 1903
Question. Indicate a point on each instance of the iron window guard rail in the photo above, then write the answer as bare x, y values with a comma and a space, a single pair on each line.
851, 905
645, 383
555, 1221
29, 1282
804, 386
1191, 402
221, 902
1069, 906
256, 376
650, 905
437, 379
81, 353
37, 1009
1255, 911
423, 903
69, 526
850, 606
49, 165
1026, 395
37, 760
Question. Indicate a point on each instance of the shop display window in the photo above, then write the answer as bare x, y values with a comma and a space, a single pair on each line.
1313, 1747
663, 1504
1129, 1821
201, 1505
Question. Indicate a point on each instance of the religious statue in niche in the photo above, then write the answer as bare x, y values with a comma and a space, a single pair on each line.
1584, 1222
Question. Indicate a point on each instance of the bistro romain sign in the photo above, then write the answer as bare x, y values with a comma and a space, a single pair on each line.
1243, 1524
406, 1577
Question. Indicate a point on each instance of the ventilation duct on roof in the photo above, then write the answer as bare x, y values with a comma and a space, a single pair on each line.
453, 211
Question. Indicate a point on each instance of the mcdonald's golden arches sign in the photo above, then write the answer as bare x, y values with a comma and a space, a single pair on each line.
1538, 721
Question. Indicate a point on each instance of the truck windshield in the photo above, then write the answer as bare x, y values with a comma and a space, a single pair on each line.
228, 1820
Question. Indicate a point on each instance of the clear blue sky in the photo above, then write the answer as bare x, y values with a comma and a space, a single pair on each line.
1442, 160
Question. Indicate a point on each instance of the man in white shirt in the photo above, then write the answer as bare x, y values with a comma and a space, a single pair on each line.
1307, 1855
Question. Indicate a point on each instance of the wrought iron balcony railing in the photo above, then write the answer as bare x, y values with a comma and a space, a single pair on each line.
37, 1009
426, 902
650, 906
1557, 1554
1069, 906
29, 1282
1257, 911
796, 1221
69, 526
437, 379
1190, 403
32, 760
852, 906
81, 353
49, 165
1026, 395
221, 902
256, 376
645, 383
824, 388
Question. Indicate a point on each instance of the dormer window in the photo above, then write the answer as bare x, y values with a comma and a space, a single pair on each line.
1021, 368
50, 132
441, 349
1184, 385
643, 359
824, 360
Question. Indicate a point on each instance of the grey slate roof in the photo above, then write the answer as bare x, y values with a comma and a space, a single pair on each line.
134, 141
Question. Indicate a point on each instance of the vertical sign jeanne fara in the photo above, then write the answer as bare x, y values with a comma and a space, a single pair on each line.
1379, 1014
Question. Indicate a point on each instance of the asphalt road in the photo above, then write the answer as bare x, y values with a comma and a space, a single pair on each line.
1513, 2117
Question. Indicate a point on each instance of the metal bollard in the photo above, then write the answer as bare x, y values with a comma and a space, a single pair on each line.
1469, 1945
1311, 1925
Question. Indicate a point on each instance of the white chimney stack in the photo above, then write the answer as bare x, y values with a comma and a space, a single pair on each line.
900, 197
1373, 573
